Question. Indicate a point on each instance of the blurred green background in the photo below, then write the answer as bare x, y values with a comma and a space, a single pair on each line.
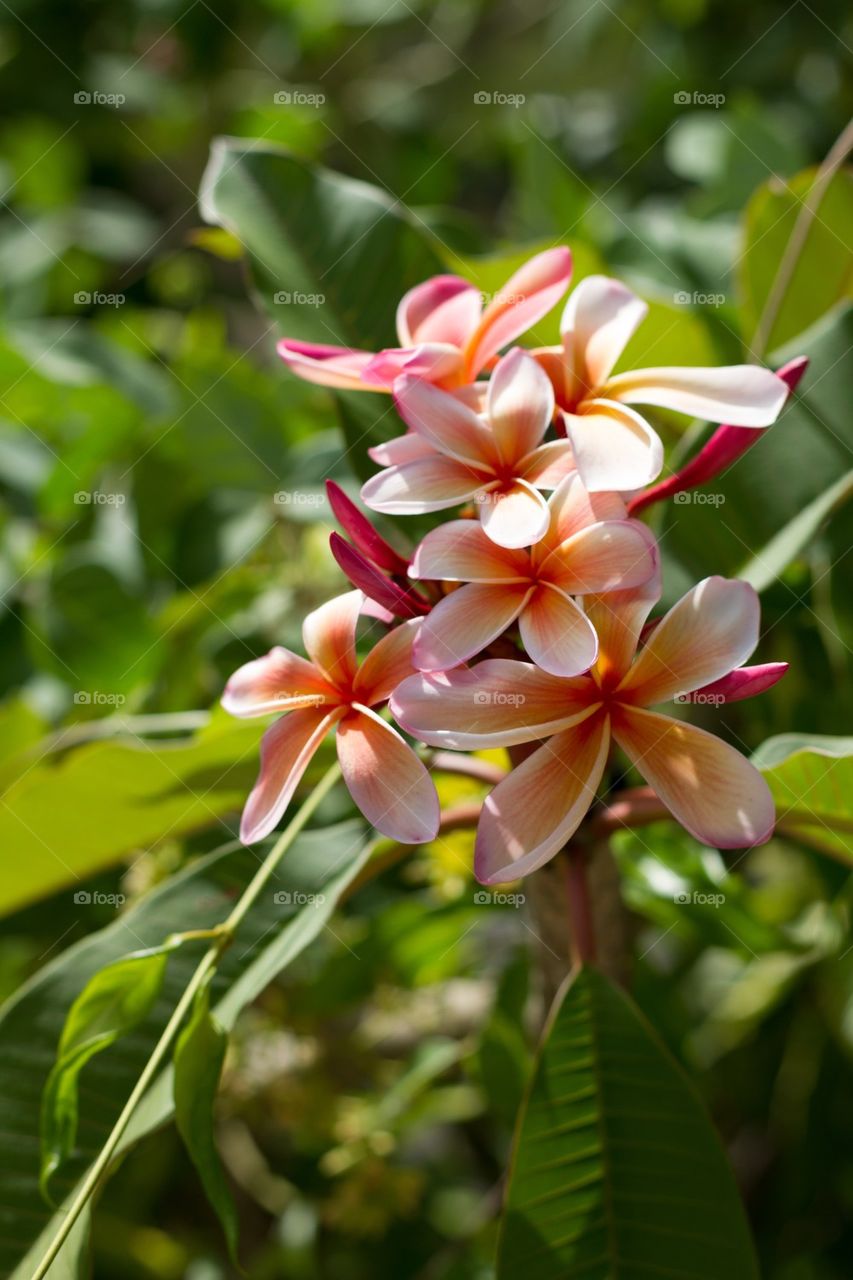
146, 426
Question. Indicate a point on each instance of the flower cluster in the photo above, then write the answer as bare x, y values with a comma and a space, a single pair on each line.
524, 618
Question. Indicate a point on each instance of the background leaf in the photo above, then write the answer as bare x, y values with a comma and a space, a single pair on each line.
811, 777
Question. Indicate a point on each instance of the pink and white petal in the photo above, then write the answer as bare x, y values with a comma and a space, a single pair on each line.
532, 813
514, 517
461, 551
474, 394
442, 419
610, 556
428, 361
443, 309
407, 448
279, 681
614, 447
520, 404
708, 786
573, 508
743, 683
328, 634
427, 484
286, 751
708, 632
465, 622
619, 618
388, 663
743, 395
557, 635
385, 778
526, 297
326, 366
602, 315
498, 703
547, 466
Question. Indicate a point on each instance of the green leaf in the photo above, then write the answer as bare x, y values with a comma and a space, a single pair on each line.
113, 1002
314, 874
617, 1172
823, 275
331, 257
811, 777
199, 1055
770, 563
65, 819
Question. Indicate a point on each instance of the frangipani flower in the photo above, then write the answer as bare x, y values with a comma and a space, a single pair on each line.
383, 774
453, 455
614, 446
708, 786
580, 554
446, 335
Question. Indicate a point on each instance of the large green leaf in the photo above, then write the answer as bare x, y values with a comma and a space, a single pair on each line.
64, 819
824, 271
331, 256
617, 1173
811, 777
286, 918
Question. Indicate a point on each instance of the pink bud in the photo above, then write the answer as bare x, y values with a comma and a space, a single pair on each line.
370, 543
398, 600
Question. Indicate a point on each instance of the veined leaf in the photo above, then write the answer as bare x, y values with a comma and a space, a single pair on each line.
617, 1172
811, 777
114, 1001
199, 1055
771, 562
281, 924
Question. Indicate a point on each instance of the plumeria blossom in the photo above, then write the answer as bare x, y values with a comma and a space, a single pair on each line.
453, 454
614, 446
708, 786
589, 547
330, 690
446, 335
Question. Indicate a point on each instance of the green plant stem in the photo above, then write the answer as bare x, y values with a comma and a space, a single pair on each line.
206, 965
835, 158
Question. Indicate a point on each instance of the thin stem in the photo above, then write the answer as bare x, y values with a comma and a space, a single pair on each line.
161, 1050
581, 930
835, 158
